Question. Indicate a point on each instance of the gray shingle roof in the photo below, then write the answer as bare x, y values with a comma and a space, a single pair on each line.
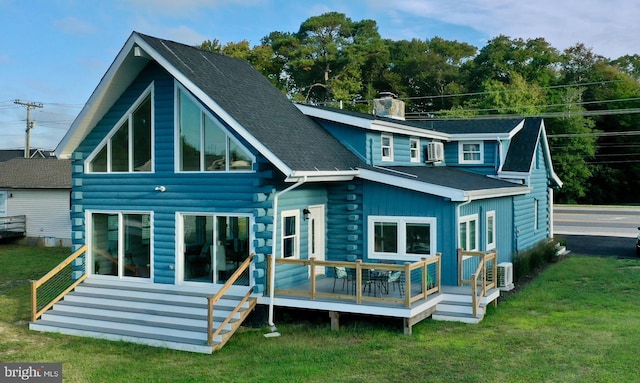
451, 177
35, 173
522, 147
477, 126
249, 98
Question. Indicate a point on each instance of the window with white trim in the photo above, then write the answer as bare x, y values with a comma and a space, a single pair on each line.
120, 243
290, 234
414, 149
535, 214
471, 152
128, 147
203, 142
386, 143
468, 232
490, 228
407, 238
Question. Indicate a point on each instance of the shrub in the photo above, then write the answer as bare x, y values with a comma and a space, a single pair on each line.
530, 260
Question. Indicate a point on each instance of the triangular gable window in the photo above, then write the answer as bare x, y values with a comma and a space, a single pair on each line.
128, 147
204, 144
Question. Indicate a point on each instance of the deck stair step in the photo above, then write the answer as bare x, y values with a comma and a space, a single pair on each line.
455, 306
163, 316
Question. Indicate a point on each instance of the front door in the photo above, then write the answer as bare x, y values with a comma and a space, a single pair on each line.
317, 235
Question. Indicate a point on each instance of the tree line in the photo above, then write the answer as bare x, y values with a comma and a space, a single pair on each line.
590, 102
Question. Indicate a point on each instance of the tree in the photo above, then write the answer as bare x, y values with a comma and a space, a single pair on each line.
426, 71
572, 148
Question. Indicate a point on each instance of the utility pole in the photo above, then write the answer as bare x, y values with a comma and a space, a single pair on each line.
30, 124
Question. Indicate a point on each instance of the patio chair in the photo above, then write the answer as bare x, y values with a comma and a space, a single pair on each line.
396, 277
344, 274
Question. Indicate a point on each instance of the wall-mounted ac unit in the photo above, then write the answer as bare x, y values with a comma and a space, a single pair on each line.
505, 276
435, 152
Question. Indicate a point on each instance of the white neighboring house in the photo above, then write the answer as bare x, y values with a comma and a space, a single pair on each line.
40, 189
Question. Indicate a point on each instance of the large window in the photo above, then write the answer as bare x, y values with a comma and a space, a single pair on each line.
387, 147
468, 232
471, 152
290, 229
204, 145
414, 149
120, 244
491, 230
213, 246
128, 147
401, 237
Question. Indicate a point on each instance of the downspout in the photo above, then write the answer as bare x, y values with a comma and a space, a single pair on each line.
272, 274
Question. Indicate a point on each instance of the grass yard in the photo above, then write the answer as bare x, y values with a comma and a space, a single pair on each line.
579, 321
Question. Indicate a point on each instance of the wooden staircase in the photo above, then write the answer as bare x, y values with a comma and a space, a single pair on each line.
157, 315
456, 306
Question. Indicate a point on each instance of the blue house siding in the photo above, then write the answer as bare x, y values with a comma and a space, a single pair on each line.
489, 165
345, 225
236, 193
503, 208
297, 199
387, 200
527, 231
353, 138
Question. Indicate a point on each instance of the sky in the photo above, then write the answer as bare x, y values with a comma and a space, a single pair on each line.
55, 52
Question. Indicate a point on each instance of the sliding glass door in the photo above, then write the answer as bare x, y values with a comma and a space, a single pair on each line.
213, 247
121, 244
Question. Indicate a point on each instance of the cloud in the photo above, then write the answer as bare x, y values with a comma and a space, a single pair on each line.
610, 27
74, 26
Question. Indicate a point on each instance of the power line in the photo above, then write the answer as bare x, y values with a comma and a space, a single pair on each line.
502, 91
600, 134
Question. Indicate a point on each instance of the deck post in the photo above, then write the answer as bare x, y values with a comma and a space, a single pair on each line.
359, 281
407, 284
407, 325
335, 320
34, 300
312, 274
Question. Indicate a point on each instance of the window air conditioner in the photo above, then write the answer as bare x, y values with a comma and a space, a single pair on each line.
505, 276
435, 151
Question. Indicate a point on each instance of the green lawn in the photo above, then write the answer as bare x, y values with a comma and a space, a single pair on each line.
579, 321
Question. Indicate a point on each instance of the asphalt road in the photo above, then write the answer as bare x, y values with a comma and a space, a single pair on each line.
598, 231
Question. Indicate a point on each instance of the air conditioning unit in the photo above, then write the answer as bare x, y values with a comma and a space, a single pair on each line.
505, 276
435, 152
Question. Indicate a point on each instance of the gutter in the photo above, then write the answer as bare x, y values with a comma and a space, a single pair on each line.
274, 252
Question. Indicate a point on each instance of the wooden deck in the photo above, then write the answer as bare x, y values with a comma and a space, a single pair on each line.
379, 303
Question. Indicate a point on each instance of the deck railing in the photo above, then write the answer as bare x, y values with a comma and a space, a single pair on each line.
478, 269
212, 300
48, 290
419, 280
15, 226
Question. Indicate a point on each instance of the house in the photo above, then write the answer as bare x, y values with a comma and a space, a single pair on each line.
35, 200
190, 170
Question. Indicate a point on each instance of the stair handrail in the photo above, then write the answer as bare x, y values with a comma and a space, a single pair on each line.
475, 301
35, 284
212, 300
